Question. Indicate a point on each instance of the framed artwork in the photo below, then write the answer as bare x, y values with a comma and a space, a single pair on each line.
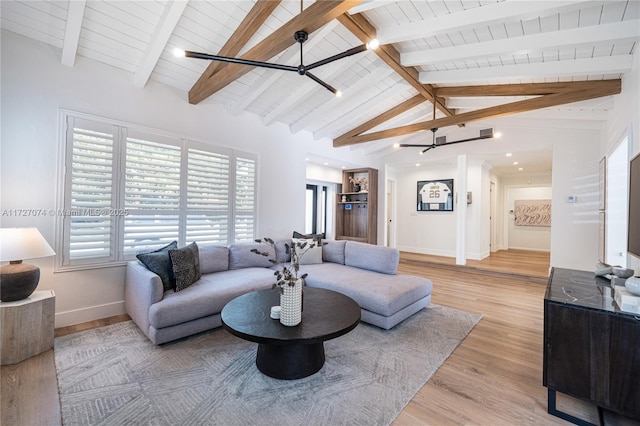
532, 212
603, 183
435, 195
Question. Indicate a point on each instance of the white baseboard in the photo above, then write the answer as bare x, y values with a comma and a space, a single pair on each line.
90, 313
422, 250
529, 249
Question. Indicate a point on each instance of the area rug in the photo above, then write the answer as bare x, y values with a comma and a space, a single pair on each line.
115, 376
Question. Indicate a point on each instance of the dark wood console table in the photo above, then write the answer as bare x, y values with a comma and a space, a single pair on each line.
591, 347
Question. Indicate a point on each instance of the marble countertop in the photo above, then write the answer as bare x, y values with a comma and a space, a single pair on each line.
582, 289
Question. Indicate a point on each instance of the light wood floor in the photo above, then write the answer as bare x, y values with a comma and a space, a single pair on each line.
493, 378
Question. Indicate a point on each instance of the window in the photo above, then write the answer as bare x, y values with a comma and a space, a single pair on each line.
316, 209
128, 189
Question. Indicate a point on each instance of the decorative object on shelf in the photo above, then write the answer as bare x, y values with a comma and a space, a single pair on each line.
435, 195
359, 183
344, 198
299, 36
18, 280
288, 279
632, 285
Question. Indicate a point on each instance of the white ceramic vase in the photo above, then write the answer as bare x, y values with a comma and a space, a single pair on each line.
291, 304
633, 285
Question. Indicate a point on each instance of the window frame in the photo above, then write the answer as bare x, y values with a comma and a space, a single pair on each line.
123, 131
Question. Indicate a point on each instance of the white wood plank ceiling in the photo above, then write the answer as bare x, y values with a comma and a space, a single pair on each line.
450, 43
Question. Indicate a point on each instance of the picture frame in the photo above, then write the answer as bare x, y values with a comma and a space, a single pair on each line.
435, 195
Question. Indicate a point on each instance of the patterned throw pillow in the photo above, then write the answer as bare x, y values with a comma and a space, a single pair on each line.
308, 255
159, 263
186, 265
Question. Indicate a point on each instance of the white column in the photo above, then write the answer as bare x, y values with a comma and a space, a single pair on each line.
460, 207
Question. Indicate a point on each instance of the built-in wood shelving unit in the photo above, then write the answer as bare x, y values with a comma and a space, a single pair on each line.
357, 211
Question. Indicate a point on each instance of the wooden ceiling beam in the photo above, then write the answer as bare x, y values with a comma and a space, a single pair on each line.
311, 19
258, 14
382, 118
365, 31
524, 89
597, 89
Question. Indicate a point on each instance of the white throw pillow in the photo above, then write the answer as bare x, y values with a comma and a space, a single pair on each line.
308, 255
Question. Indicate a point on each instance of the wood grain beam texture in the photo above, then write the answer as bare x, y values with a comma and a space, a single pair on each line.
573, 92
259, 13
311, 19
365, 31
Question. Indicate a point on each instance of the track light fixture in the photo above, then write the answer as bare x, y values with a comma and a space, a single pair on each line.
442, 140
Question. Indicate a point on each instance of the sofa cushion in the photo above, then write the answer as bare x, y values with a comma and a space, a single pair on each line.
374, 258
241, 256
213, 259
208, 296
158, 262
185, 262
333, 251
383, 294
308, 251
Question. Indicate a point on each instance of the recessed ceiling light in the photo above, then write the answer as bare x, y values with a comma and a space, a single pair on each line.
344, 167
520, 168
515, 163
326, 164
417, 164
508, 154
497, 135
396, 145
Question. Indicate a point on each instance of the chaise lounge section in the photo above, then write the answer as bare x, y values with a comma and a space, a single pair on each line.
364, 272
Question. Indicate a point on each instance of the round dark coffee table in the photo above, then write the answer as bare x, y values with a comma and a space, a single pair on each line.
290, 352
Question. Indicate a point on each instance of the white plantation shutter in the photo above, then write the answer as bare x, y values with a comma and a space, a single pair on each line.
208, 190
90, 169
151, 195
128, 189
245, 199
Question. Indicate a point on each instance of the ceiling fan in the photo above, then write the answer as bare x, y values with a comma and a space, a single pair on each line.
300, 36
442, 140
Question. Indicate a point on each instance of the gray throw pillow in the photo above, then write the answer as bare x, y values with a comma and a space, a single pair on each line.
316, 237
159, 263
186, 265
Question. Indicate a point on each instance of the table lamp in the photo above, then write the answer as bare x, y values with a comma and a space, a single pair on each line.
18, 280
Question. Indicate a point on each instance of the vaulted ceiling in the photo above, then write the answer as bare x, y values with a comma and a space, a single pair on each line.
440, 63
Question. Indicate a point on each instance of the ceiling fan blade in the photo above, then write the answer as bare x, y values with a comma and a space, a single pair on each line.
344, 54
322, 83
412, 145
240, 61
428, 148
484, 134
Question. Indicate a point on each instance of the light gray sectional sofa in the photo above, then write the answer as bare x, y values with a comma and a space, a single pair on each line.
364, 272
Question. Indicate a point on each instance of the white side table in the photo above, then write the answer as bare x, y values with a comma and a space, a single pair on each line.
27, 326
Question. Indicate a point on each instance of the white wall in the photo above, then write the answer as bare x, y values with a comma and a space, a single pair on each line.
527, 237
575, 228
624, 119
35, 86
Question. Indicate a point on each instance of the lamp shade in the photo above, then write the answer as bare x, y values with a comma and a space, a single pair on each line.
23, 243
